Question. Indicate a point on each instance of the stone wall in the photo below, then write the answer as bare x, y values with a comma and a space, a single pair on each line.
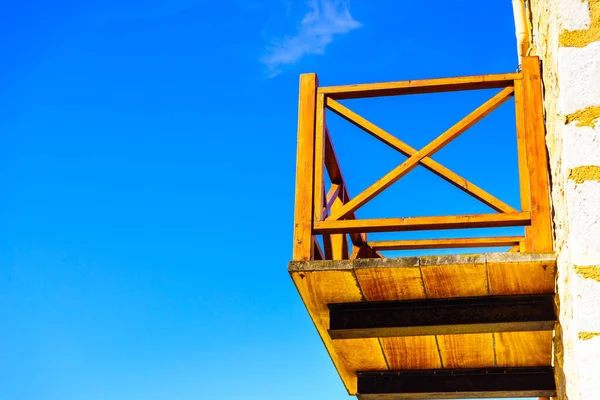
566, 36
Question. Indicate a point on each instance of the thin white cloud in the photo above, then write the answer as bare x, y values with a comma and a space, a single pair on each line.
324, 20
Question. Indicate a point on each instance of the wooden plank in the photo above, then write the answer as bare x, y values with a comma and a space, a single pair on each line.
457, 383
318, 253
493, 81
467, 351
335, 175
339, 242
416, 352
459, 276
332, 195
509, 273
400, 280
433, 166
454, 243
423, 223
319, 162
524, 190
304, 168
424, 317
319, 288
524, 349
537, 159
412, 162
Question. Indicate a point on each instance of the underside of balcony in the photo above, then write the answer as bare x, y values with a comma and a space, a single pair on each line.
466, 316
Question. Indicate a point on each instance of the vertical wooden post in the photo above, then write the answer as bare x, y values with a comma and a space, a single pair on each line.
303, 213
522, 157
539, 236
319, 179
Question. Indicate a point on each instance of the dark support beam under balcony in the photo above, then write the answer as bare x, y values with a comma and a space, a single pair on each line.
442, 316
457, 384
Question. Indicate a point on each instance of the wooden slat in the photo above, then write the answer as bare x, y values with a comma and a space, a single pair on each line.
408, 165
537, 160
522, 153
454, 243
365, 90
509, 274
423, 223
400, 281
467, 351
416, 352
523, 349
319, 288
335, 175
339, 242
319, 157
332, 195
304, 168
318, 253
459, 276
433, 166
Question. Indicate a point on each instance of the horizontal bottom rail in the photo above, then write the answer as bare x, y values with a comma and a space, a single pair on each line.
457, 383
423, 223
454, 243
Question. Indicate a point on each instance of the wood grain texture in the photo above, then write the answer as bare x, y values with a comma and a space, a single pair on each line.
453, 243
387, 284
423, 223
537, 158
319, 288
304, 168
467, 351
400, 283
523, 349
415, 352
365, 90
534, 277
468, 277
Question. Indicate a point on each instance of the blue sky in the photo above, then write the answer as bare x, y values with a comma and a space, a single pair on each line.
147, 169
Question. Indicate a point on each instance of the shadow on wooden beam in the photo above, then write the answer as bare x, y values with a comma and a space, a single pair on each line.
457, 384
442, 316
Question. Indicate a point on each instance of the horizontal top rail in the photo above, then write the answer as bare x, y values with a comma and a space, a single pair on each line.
365, 90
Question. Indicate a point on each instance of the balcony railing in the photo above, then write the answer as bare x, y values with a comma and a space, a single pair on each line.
331, 212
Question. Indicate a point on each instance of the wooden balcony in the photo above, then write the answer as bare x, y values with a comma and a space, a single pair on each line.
473, 319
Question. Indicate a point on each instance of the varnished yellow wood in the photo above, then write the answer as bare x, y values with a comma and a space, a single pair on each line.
335, 175
524, 190
412, 352
387, 284
521, 277
408, 165
304, 168
423, 223
523, 349
339, 242
318, 252
319, 157
467, 351
427, 162
453, 243
400, 283
320, 288
420, 86
540, 239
